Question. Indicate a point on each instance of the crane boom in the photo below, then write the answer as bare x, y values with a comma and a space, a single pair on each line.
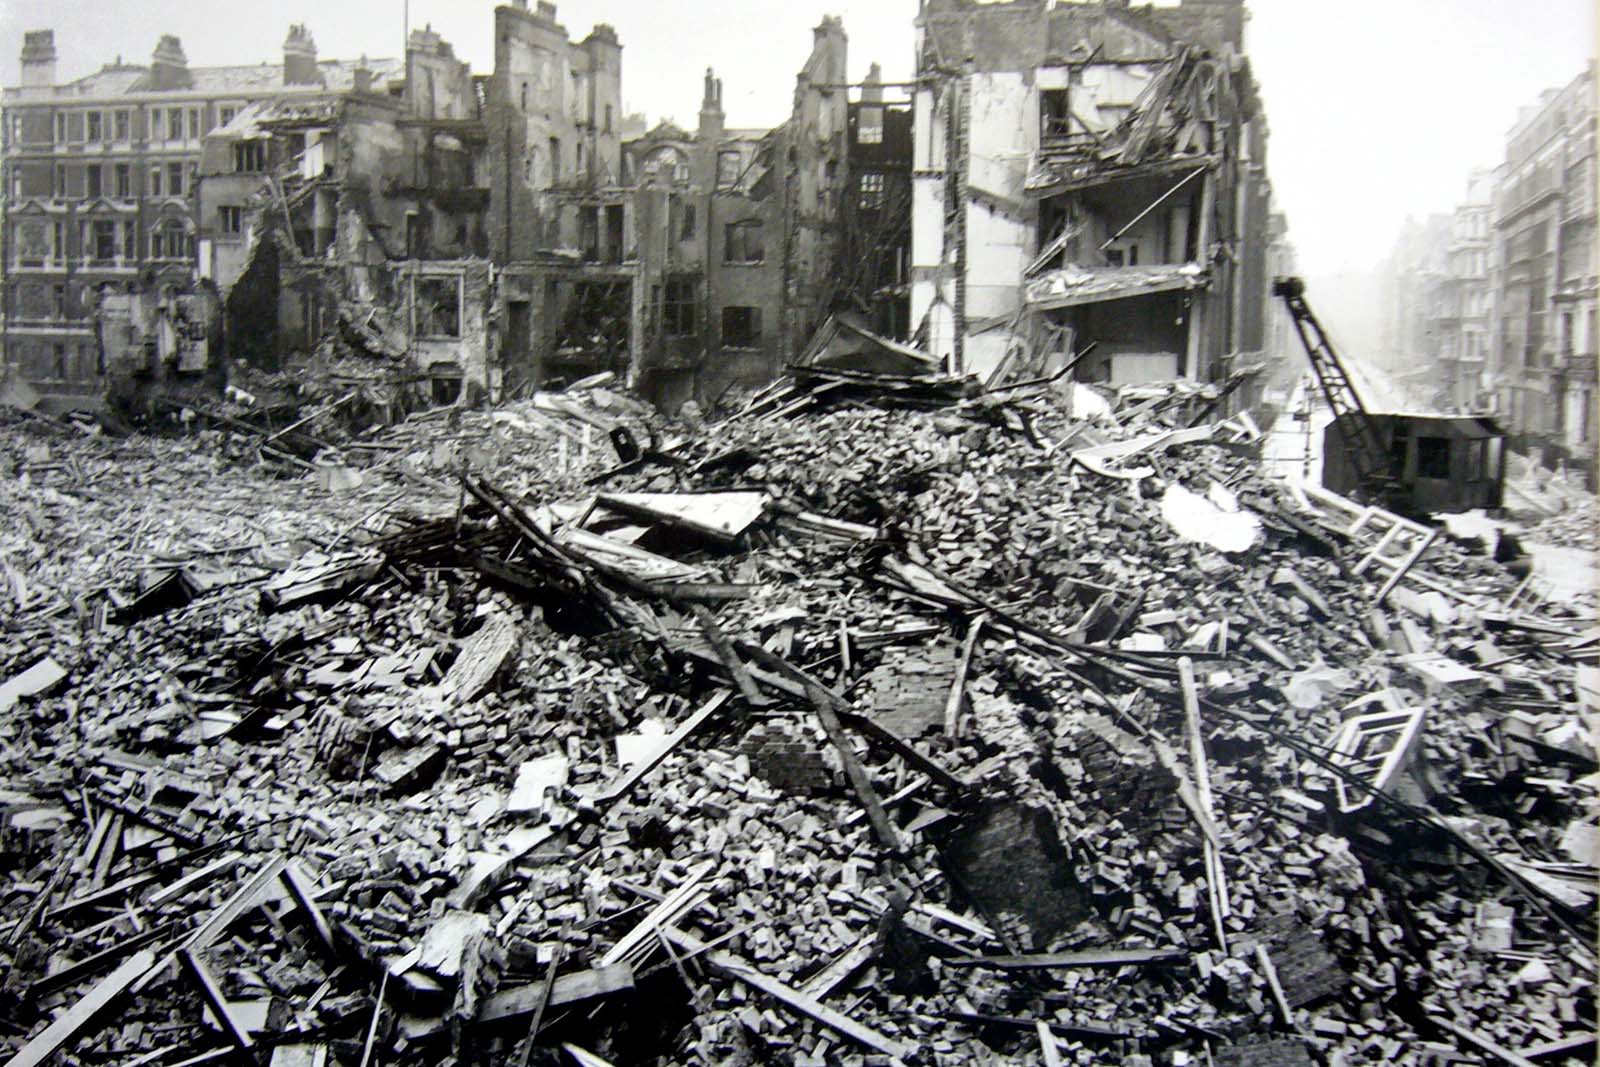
1356, 427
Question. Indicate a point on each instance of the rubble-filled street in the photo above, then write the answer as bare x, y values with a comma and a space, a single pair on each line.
886, 719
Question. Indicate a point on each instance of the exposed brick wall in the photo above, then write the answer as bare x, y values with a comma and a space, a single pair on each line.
1010, 861
1307, 970
787, 754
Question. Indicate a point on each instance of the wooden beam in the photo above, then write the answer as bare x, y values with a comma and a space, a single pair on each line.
620, 786
958, 688
1047, 1044
212, 993
733, 967
68, 1024
1107, 957
1483, 1044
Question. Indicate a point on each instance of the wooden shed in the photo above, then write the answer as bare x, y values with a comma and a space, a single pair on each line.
1444, 463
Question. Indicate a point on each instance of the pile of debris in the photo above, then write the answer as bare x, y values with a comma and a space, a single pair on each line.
885, 721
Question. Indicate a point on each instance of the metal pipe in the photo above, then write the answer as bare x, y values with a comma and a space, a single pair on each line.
1154, 204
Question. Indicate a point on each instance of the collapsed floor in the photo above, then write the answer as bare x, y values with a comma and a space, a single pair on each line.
882, 722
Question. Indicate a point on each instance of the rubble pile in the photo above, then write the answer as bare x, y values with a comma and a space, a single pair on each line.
884, 721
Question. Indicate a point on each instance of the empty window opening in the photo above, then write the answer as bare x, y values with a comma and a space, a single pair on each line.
743, 243
1433, 457
741, 327
438, 306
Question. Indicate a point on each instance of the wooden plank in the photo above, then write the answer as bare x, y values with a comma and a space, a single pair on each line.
859, 723
77, 970
377, 1014
664, 914
220, 919
521, 1000
840, 970
635, 774
194, 880
1105, 957
733, 967
212, 994
1405, 565
1047, 1044
1565, 1046
583, 1056
299, 887
958, 688
68, 1024
1483, 1044
1216, 881
546, 987
1282, 1002
854, 771
721, 516
729, 659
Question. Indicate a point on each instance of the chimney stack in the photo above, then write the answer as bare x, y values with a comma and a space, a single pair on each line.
38, 59
712, 119
361, 77
547, 10
872, 88
169, 67
300, 57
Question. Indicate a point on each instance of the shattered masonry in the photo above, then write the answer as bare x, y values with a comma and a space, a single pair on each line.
888, 720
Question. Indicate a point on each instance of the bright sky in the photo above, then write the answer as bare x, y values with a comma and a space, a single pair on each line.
1378, 108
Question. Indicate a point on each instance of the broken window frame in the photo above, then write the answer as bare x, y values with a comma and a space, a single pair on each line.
743, 243
728, 169
741, 327
436, 317
870, 190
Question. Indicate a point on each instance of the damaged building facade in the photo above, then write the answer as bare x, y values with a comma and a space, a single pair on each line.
100, 176
361, 211
1089, 174
495, 234
738, 233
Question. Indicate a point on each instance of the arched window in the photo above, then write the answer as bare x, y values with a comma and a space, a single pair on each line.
169, 240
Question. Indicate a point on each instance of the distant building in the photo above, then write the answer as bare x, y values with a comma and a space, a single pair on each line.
1465, 302
99, 188
1542, 359
737, 235
874, 279
1413, 282
1089, 174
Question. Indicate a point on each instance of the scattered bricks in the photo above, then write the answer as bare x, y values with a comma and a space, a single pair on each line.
1263, 1053
786, 754
1307, 970
408, 769
1123, 778
1008, 859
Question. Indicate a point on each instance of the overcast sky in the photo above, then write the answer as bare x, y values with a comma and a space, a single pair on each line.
1378, 108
